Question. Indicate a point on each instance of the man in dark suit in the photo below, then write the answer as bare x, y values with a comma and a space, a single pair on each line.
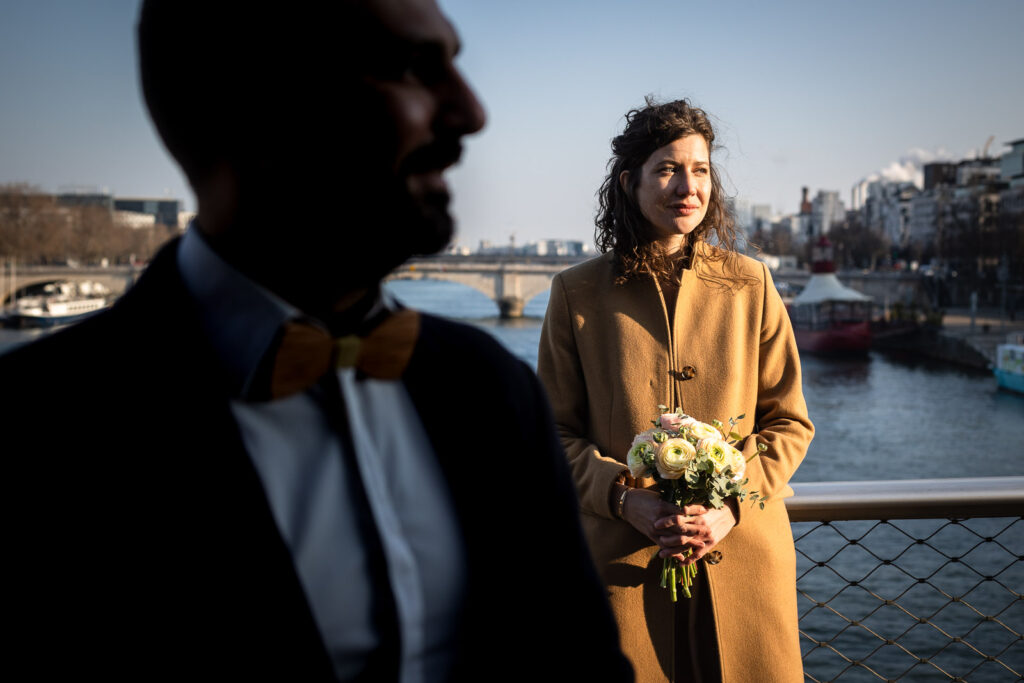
255, 464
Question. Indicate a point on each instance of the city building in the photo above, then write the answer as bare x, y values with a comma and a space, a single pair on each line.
826, 209
939, 173
538, 248
163, 211
1011, 165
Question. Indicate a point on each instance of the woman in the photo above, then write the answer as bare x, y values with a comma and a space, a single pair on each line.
663, 317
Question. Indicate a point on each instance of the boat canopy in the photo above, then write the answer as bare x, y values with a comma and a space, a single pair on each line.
827, 287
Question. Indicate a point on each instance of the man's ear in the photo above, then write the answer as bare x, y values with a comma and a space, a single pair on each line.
624, 181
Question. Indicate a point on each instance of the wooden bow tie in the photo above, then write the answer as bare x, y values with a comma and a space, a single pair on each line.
307, 352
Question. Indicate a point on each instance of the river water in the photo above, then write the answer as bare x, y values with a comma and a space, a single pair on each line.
878, 417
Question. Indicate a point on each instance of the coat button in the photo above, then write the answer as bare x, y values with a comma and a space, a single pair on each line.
689, 372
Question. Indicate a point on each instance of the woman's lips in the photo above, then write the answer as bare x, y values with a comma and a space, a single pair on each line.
685, 209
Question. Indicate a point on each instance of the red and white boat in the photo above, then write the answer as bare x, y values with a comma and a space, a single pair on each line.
828, 316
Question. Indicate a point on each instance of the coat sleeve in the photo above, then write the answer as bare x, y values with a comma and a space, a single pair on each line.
561, 372
781, 420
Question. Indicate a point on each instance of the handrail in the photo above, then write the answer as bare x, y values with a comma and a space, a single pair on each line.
907, 499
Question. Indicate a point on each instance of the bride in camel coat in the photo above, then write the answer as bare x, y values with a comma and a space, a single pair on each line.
664, 318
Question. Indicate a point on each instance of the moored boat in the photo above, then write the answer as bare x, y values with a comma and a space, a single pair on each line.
58, 303
1009, 370
829, 317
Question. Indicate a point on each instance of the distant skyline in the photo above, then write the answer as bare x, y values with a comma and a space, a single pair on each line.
803, 94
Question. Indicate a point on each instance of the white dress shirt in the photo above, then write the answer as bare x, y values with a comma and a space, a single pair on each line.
299, 460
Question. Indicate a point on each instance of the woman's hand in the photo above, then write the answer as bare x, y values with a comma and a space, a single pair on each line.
713, 525
668, 527
694, 528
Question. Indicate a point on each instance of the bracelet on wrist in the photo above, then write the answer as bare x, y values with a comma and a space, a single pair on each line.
621, 507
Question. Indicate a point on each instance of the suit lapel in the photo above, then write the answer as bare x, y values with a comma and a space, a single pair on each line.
223, 539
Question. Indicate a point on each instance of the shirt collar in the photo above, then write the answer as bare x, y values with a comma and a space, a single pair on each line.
240, 317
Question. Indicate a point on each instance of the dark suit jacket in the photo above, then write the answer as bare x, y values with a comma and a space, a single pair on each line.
140, 545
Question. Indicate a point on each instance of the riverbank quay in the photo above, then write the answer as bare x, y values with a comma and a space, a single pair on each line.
961, 339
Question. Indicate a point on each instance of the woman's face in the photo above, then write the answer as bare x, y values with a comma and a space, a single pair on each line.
674, 189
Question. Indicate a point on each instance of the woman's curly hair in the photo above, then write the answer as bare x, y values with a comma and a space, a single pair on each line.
621, 227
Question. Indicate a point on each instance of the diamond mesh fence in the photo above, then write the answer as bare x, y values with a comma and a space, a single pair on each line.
911, 600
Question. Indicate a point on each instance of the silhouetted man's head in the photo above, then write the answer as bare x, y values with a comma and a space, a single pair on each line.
314, 135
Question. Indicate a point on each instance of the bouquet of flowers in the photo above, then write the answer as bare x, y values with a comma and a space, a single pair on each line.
693, 463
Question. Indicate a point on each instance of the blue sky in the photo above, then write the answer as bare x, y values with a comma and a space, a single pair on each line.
804, 93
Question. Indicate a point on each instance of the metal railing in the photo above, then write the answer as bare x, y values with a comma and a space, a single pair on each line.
934, 596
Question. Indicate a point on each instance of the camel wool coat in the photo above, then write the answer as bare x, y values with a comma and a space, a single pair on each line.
609, 355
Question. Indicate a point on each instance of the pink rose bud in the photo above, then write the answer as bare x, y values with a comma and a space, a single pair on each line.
670, 421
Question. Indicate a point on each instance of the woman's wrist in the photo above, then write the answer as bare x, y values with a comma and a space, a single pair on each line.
620, 510
618, 499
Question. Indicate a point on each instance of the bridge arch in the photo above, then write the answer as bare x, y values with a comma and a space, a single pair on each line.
116, 279
510, 285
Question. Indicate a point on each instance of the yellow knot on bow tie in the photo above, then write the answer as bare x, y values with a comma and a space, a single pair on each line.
307, 352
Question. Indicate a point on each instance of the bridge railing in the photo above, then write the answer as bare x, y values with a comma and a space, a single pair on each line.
910, 581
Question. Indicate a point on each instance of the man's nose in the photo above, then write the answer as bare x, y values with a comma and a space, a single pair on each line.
463, 112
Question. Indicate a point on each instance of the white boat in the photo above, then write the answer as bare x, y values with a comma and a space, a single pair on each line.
58, 303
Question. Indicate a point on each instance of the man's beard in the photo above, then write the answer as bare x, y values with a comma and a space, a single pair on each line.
380, 241
428, 214
348, 229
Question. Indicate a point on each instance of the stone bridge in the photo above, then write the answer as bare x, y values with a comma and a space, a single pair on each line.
509, 282
115, 278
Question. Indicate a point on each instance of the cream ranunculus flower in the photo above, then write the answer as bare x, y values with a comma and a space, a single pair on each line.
701, 431
735, 461
643, 437
715, 448
673, 457
636, 460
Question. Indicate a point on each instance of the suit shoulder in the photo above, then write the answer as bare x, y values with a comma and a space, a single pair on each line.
65, 352
444, 340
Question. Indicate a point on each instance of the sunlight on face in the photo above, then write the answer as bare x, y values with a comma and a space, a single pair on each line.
674, 189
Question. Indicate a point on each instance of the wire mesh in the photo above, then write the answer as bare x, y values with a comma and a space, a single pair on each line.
911, 600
